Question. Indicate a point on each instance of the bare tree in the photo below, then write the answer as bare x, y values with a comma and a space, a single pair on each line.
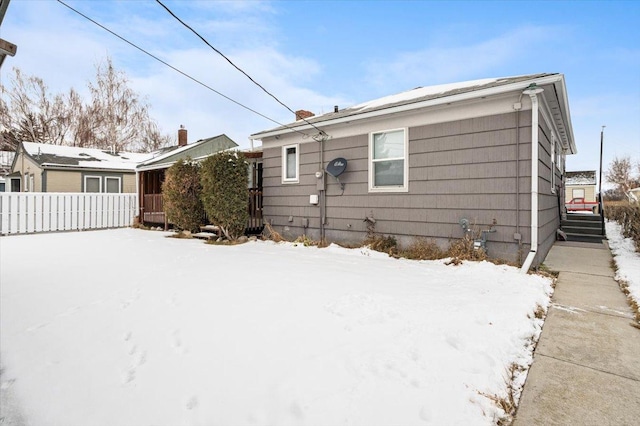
32, 113
620, 173
114, 117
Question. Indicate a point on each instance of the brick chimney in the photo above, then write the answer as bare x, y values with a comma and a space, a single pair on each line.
301, 114
182, 136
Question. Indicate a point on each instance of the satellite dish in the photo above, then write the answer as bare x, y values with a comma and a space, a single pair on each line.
336, 167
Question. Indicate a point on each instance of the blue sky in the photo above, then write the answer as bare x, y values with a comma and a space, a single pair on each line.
317, 54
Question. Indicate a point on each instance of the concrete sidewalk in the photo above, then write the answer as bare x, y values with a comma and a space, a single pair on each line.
586, 367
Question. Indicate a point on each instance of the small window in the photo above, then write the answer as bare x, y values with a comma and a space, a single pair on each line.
92, 184
577, 193
112, 185
290, 164
388, 165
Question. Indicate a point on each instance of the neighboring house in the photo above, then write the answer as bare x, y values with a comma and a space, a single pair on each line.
580, 185
39, 167
421, 161
6, 159
151, 173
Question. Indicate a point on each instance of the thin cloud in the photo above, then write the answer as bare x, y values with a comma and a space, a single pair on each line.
442, 64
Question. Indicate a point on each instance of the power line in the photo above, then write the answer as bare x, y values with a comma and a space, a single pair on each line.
180, 71
321, 133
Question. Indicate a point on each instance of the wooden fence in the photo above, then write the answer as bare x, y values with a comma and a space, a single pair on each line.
29, 212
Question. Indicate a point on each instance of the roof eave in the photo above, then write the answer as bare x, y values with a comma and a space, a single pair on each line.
474, 94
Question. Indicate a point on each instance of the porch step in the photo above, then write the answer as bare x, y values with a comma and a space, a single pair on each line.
585, 238
583, 228
207, 232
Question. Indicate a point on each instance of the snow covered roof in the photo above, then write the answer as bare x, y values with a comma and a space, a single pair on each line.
48, 155
196, 150
424, 97
587, 177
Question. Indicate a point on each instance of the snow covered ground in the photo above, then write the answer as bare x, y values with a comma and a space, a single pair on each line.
127, 327
626, 257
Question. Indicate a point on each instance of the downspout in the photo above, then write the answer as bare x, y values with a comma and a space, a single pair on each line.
139, 193
533, 90
323, 199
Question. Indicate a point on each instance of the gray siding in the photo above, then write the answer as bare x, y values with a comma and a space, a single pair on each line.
462, 169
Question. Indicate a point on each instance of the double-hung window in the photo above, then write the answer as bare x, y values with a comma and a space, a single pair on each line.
290, 163
92, 184
388, 161
112, 185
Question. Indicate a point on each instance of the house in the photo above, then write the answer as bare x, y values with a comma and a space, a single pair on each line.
6, 159
151, 173
40, 167
580, 185
426, 162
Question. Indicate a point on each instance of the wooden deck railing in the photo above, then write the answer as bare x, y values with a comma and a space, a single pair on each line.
153, 210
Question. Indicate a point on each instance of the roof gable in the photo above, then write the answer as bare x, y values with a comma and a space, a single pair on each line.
199, 149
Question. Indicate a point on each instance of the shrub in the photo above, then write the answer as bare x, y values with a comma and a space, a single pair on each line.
181, 195
225, 179
464, 249
628, 216
422, 249
385, 244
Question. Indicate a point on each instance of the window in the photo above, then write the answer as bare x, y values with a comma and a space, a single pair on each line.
577, 193
290, 163
388, 165
92, 184
112, 185
15, 185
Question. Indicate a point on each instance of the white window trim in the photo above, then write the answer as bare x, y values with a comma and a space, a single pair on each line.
405, 185
93, 177
27, 188
284, 164
119, 184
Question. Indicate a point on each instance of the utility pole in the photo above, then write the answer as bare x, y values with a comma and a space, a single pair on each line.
601, 203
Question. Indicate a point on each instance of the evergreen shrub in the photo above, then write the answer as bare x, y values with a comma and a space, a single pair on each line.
181, 192
225, 179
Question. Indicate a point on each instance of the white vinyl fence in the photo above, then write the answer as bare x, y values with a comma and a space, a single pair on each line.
27, 212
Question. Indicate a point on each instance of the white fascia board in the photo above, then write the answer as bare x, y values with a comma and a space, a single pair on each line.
167, 165
521, 85
49, 166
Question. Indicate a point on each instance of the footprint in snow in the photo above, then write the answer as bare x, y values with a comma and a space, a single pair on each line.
176, 342
38, 326
7, 384
192, 403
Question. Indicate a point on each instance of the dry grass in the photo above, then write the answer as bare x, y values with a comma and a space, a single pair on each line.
507, 403
383, 243
463, 249
624, 287
540, 312
306, 241
423, 249
271, 234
